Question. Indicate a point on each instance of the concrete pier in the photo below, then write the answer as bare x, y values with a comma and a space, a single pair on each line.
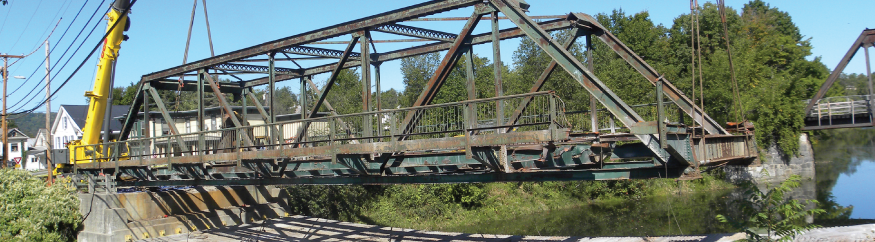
142, 215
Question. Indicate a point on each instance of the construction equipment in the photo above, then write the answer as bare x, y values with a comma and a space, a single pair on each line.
117, 23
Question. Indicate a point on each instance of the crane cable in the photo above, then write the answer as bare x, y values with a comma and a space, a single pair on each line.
740, 111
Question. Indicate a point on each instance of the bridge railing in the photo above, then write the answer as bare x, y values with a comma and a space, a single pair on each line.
581, 120
845, 105
545, 111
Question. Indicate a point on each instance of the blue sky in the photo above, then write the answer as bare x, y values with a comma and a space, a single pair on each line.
158, 33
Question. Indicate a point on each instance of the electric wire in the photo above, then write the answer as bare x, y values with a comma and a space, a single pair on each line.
56, 16
8, 10
62, 68
108, 31
53, 48
27, 25
62, 56
34, 51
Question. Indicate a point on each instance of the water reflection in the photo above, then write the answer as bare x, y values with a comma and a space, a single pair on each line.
836, 152
840, 153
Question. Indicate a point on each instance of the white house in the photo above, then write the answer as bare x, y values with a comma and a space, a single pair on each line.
17, 146
71, 118
36, 153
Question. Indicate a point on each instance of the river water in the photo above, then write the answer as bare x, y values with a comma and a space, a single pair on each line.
845, 174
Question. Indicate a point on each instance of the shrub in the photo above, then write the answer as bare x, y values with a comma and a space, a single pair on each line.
31, 211
781, 218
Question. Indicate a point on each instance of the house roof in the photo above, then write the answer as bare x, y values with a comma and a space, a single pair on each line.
15, 133
80, 112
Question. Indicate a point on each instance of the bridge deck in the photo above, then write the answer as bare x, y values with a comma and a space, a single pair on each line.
456, 142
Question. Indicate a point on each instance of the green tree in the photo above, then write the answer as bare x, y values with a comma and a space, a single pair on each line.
32, 211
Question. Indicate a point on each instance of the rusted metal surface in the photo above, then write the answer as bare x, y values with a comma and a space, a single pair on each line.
449, 142
418, 50
391, 17
648, 72
865, 40
541, 80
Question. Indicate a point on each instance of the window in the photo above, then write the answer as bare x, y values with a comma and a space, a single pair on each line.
187, 126
14, 147
65, 122
213, 120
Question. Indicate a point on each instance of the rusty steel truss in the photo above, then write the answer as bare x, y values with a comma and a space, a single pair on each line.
504, 138
848, 111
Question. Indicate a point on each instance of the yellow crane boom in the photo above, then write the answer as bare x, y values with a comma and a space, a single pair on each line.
102, 84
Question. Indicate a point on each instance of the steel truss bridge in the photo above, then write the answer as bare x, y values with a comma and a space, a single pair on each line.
524, 137
848, 111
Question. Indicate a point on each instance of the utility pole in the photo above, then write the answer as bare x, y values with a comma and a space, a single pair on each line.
49, 168
5, 128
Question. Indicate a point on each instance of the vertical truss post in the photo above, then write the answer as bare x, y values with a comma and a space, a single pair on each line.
200, 112
868, 75
366, 83
224, 103
245, 110
499, 89
517, 113
328, 85
590, 62
471, 87
590, 82
660, 115
168, 119
379, 101
272, 92
303, 102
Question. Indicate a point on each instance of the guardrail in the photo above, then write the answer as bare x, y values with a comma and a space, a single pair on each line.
581, 120
545, 111
845, 105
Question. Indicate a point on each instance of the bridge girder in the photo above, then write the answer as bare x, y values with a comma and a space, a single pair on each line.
361, 145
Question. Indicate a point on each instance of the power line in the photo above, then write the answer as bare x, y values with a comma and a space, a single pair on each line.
9, 10
62, 67
38, 86
53, 48
124, 14
39, 44
27, 25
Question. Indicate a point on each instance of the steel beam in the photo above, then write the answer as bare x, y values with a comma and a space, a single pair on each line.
131, 117
614, 174
170, 123
539, 83
353, 26
443, 70
224, 103
418, 50
867, 37
577, 71
254, 69
450, 143
313, 51
416, 32
678, 97
328, 84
